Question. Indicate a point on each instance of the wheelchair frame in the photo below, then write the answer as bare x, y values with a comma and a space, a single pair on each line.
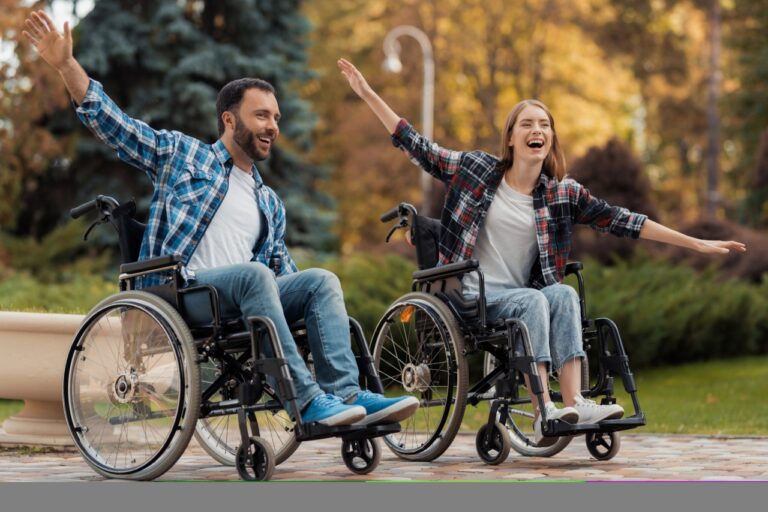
241, 368
507, 341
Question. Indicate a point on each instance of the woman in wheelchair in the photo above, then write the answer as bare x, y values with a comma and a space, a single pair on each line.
514, 213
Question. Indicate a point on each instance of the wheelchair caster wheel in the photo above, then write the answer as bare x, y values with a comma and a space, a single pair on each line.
493, 448
255, 461
603, 445
361, 456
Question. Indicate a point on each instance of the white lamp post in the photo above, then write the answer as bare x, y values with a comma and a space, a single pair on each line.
392, 64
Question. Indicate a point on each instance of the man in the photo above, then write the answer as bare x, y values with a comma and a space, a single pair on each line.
211, 207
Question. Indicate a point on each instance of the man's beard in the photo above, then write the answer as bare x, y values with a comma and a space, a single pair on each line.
247, 141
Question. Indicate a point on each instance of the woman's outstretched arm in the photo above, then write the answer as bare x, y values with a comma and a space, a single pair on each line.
358, 84
654, 231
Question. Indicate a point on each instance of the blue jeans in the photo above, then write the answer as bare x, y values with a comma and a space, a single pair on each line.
251, 289
552, 316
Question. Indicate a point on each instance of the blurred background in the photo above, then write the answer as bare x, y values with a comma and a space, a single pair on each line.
661, 106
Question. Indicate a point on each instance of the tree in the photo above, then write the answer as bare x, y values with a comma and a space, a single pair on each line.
615, 175
30, 94
164, 62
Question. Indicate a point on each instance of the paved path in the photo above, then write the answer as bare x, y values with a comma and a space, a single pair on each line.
642, 457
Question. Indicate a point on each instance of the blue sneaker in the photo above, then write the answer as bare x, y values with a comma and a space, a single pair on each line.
381, 409
330, 410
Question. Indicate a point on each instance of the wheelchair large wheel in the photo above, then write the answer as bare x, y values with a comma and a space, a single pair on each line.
132, 386
520, 423
220, 435
419, 350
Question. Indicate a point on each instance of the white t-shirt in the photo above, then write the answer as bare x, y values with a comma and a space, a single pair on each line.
234, 229
506, 245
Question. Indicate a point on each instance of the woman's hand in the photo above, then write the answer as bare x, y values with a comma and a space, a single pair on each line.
354, 77
55, 48
719, 246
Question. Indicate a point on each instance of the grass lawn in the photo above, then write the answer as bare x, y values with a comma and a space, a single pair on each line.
717, 397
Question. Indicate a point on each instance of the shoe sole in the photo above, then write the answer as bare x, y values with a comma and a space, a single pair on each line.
394, 413
610, 416
347, 417
571, 417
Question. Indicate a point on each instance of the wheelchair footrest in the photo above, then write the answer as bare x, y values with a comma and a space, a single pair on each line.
638, 420
560, 428
315, 431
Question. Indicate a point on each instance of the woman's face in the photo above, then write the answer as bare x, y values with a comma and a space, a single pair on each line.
531, 136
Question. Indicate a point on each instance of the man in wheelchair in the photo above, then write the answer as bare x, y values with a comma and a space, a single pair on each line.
211, 208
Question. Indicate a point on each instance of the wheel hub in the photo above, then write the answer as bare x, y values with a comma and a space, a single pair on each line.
416, 378
124, 387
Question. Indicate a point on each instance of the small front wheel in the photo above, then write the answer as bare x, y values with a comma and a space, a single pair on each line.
361, 456
493, 447
255, 461
603, 445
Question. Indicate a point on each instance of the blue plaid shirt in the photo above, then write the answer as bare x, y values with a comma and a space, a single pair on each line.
190, 181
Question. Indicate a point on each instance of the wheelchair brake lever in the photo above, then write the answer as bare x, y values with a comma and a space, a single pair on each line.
402, 224
90, 228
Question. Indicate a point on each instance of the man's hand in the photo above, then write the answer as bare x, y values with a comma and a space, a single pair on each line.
53, 47
56, 50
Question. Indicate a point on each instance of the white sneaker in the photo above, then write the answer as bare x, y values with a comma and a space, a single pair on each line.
591, 412
566, 414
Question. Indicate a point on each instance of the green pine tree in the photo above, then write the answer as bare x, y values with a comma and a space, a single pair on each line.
164, 62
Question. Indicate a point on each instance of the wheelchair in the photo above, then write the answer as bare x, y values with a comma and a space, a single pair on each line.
422, 343
143, 375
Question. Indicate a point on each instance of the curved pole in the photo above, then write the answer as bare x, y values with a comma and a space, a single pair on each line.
392, 49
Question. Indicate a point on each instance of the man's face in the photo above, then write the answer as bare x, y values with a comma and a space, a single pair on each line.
256, 123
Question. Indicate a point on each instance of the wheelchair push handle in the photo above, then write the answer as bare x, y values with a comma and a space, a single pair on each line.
403, 211
104, 204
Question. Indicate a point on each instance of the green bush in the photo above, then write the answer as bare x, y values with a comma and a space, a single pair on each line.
668, 314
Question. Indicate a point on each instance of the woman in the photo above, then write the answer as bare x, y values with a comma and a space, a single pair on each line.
515, 213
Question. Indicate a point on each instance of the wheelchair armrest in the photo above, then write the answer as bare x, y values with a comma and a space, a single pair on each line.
573, 267
452, 269
146, 266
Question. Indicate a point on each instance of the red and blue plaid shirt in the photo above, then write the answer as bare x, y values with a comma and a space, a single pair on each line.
472, 179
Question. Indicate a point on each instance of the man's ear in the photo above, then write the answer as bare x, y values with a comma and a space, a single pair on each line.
229, 119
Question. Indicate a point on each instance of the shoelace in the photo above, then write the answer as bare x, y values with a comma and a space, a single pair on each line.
327, 400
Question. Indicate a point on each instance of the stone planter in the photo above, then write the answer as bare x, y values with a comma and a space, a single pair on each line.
33, 351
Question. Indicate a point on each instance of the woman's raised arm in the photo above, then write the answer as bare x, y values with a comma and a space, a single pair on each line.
358, 84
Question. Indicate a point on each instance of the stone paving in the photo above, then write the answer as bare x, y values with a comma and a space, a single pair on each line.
642, 457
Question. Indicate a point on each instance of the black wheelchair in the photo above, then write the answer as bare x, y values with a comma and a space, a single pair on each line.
422, 343
144, 375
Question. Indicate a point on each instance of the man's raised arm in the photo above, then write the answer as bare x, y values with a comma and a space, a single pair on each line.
56, 49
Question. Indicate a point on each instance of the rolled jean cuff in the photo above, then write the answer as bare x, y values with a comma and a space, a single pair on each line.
579, 353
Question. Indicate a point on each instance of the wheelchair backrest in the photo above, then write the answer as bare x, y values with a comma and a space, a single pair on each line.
130, 232
426, 238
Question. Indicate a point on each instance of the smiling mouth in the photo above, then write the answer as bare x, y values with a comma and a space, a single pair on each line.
265, 140
536, 144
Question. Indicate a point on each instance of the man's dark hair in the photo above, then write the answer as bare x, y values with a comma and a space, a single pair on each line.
231, 95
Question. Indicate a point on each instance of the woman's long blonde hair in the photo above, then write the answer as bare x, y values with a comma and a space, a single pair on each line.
554, 163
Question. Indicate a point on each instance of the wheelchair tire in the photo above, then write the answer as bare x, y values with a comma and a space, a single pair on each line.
419, 350
132, 386
603, 445
520, 425
220, 437
361, 456
495, 450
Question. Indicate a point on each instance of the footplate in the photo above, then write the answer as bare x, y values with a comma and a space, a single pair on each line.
557, 428
314, 431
